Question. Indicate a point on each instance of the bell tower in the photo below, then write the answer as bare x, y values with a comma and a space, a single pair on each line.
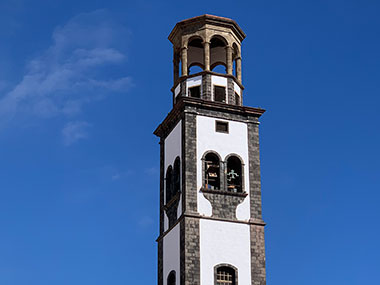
211, 227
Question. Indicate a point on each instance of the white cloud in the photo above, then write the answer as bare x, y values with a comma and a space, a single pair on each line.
71, 72
145, 222
152, 171
74, 131
115, 176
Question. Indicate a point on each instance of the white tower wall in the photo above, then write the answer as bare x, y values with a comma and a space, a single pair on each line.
235, 142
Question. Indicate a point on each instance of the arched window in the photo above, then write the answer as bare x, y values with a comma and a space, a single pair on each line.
218, 54
169, 184
212, 171
219, 67
171, 278
176, 176
235, 55
195, 55
225, 275
195, 68
234, 174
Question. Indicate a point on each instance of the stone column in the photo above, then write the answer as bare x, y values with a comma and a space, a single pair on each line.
229, 59
184, 61
175, 66
230, 91
206, 49
206, 87
238, 68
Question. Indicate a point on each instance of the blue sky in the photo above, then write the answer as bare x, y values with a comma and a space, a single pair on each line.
83, 84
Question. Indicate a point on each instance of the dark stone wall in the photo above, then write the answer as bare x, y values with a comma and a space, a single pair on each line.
206, 87
254, 171
183, 89
189, 163
160, 265
160, 243
258, 255
223, 204
257, 230
190, 251
162, 181
230, 91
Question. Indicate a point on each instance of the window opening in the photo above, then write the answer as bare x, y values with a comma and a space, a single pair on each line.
234, 176
225, 276
176, 176
212, 172
171, 278
221, 127
237, 99
220, 94
195, 91
169, 184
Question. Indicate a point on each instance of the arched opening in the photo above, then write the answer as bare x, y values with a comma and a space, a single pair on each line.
212, 171
219, 67
168, 184
195, 55
234, 174
225, 275
171, 278
176, 176
195, 68
235, 55
218, 54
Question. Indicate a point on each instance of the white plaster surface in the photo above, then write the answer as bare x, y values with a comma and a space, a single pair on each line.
179, 209
219, 80
171, 252
237, 88
235, 142
166, 222
173, 145
224, 242
177, 89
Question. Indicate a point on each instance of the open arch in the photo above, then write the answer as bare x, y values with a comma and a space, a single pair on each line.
171, 278
195, 53
218, 56
234, 174
219, 67
168, 184
235, 55
211, 162
176, 176
195, 67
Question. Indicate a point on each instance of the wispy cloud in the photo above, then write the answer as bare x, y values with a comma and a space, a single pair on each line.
152, 171
145, 222
71, 72
74, 131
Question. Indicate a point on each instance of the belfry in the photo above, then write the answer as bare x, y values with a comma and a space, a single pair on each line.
211, 227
